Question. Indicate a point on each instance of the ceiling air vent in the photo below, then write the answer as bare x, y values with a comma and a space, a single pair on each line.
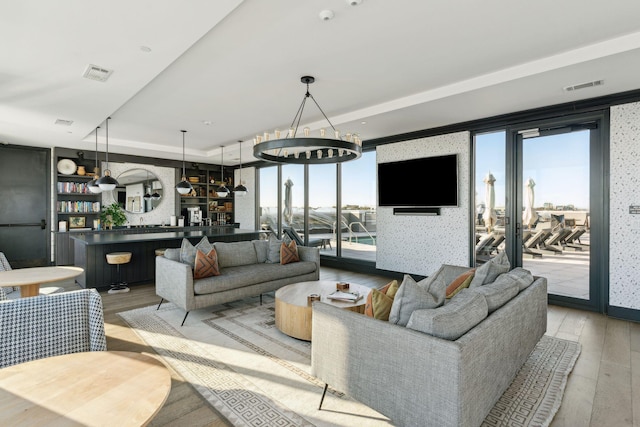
584, 85
93, 72
63, 122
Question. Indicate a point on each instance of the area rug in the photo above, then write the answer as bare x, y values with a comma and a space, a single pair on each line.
256, 376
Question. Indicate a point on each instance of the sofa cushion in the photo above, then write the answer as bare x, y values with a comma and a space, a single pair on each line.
206, 265
235, 254
188, 251
289, 253
247, 275
499, 292
273, 255
262, 249
488, 271
523, 277
411, 296
172, 253
379, 301
453, 320
459, 283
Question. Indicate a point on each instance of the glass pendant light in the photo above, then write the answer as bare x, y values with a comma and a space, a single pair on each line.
107, 182
222, 190
184, 187
240, 189
91, 185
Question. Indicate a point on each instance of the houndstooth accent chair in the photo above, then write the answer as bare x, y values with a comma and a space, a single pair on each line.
5, 266
43, 326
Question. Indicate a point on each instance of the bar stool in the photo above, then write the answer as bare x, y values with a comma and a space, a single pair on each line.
119, 258
160, 251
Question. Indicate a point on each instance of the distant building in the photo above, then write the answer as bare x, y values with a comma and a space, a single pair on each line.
548, 206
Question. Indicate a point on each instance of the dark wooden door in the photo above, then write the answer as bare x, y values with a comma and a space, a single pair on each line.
25, 201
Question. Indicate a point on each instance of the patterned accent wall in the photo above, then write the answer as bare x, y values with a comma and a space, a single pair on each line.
245, 207
421, 244
167, 206
624, 228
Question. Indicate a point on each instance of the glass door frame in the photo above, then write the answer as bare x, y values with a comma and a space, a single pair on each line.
599, 200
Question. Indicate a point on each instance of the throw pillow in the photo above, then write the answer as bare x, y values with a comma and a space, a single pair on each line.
379, 301
413, 296
172, 253
288, 253
452, 320
188, 251
488, 271
206, 265
459, 283
522, 276
262, 249
273, 256
499, 292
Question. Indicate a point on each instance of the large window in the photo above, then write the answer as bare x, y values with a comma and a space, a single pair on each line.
323, 206
268, 210
293, 197
358, 213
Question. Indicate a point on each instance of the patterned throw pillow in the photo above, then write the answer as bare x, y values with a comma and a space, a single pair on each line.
288, 253
460, 282
206, 265
379, 301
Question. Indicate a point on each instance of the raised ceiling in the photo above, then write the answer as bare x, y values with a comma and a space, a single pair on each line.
399, 66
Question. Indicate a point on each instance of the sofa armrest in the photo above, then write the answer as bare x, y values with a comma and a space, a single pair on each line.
307, 253
404, 374
174, 282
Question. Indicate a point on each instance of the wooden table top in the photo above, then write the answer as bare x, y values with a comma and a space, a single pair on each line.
296, 294
37, 275
96, 388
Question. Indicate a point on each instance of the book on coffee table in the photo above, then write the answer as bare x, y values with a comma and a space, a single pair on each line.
344, 296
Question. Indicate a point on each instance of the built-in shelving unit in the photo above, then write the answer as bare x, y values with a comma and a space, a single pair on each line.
218, 209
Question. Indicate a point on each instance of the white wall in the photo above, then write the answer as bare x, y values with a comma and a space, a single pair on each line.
245, 207
624, 228
421, 244
166, 208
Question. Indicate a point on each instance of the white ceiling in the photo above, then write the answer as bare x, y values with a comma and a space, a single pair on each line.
399, 66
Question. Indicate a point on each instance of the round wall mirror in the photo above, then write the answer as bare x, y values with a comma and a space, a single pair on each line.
138, 191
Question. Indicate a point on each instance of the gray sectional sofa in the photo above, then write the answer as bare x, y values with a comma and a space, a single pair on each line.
245, 271
418, 379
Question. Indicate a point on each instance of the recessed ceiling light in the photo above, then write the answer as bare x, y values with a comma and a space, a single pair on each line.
63, 122
364, 122
145, 49
207, 122
326, 15
354, 2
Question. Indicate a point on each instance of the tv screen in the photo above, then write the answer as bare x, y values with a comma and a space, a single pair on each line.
425, 182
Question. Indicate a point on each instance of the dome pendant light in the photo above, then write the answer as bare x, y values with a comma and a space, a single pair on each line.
240, 189
107, 182
222, 190
184, 187
91, 185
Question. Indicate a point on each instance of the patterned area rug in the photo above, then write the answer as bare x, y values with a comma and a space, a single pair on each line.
256, 376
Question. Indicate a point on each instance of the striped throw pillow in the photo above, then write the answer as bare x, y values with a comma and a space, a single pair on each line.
206, 265
288, 253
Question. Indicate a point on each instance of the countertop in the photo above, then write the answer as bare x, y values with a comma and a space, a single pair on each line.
108, 238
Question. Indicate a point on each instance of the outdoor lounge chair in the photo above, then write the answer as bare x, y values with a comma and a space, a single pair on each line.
293, 235
570, 240
535, 242
553, 242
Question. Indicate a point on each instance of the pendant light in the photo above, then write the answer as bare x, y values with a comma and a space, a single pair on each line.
240, 189
107, 182
147, 193
222, 190
91, 185
184, 187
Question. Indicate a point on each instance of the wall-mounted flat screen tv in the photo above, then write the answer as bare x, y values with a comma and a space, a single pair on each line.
424, 182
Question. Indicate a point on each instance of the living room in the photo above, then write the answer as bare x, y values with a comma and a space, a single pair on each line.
231, 71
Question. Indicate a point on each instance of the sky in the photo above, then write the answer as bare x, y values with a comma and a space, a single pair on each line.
558, 164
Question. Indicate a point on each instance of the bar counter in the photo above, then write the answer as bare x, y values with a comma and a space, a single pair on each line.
90, 252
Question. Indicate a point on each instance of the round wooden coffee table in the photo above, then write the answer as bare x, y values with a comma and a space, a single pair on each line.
30, 279
293, 312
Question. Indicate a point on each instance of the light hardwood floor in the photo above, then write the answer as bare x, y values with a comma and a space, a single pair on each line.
602, 390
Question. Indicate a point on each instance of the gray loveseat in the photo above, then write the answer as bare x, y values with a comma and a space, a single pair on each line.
244, 272
418, 379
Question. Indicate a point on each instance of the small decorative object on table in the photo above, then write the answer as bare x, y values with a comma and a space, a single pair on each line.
342, 286
344, 296
313, 297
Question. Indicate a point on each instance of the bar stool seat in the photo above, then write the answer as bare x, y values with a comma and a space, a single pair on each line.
119, 258
160, 252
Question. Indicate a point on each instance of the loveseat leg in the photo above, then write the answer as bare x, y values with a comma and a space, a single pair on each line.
185, 318
161, 299
322, 398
